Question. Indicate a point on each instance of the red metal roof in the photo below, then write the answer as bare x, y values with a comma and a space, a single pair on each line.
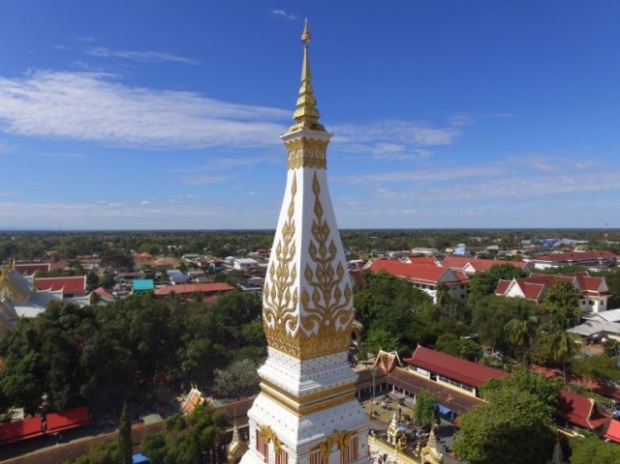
70, 419
460, 262
578, 256
75, 284
421, 273
184, 289
20, 430
613, 432
452, 367
580, 411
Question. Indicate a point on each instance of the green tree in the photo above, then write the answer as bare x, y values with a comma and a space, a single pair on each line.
561, 344
187, 439
425, 410
125, 442
380, 339
514, 426
484, 283
561, 298
456, 346
239, 379
490, 316
523, 329
593, 450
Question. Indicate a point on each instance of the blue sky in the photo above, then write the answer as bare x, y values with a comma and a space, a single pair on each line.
161, 114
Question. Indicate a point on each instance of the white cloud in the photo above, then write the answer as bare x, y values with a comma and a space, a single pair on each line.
284, 14
96, 107
140, 56
403, 132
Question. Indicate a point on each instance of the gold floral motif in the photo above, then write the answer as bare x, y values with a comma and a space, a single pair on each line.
328, 315
267, 434
281, 298
306, 152
342, 439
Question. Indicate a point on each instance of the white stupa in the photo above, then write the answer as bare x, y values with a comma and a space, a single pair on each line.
307, 412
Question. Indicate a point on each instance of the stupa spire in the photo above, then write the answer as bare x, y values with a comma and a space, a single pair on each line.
306, 114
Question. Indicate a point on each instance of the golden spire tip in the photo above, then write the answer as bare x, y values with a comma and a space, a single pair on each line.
305, 35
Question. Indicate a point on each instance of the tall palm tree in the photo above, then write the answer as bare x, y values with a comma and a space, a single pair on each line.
562, 346
523, 329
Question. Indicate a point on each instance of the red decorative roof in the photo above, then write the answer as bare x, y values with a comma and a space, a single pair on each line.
75, 284
20, 430
427, 260
461, 262
357, 278
534, 286
58, 421
613, 432
387, 361
31, 268
185, 289
580, 411
419, 273
452, 367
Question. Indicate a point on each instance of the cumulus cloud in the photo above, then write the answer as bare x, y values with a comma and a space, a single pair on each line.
97, 107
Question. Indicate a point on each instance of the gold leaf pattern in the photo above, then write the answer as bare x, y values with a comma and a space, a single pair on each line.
307, 153
322, 324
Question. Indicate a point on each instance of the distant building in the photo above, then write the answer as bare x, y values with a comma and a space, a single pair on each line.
593, 259
425, 277
593, 290
21, 296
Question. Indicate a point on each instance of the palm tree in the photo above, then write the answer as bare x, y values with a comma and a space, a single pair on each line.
523, 329
561, 344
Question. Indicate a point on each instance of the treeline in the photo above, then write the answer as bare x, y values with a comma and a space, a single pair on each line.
28, 245
101, 356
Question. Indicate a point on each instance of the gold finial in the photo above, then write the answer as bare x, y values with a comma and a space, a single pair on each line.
305, 35
306, 114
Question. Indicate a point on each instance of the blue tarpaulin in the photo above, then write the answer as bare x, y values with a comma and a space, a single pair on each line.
139, 459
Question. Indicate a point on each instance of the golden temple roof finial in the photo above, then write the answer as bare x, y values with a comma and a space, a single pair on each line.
306, 114
305, 35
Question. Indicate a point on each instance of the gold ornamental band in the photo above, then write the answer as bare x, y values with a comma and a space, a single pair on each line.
302, 406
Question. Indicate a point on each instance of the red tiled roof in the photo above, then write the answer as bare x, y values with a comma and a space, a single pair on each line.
75, 284
185, 289
357, 278
580, 256
415, 272
581, 411
104, 293
427, 260
31, 268
452, 367
58, 421
502, 286
460, 262
387, 361
458, 402
533, 286
613, 432
20, 430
